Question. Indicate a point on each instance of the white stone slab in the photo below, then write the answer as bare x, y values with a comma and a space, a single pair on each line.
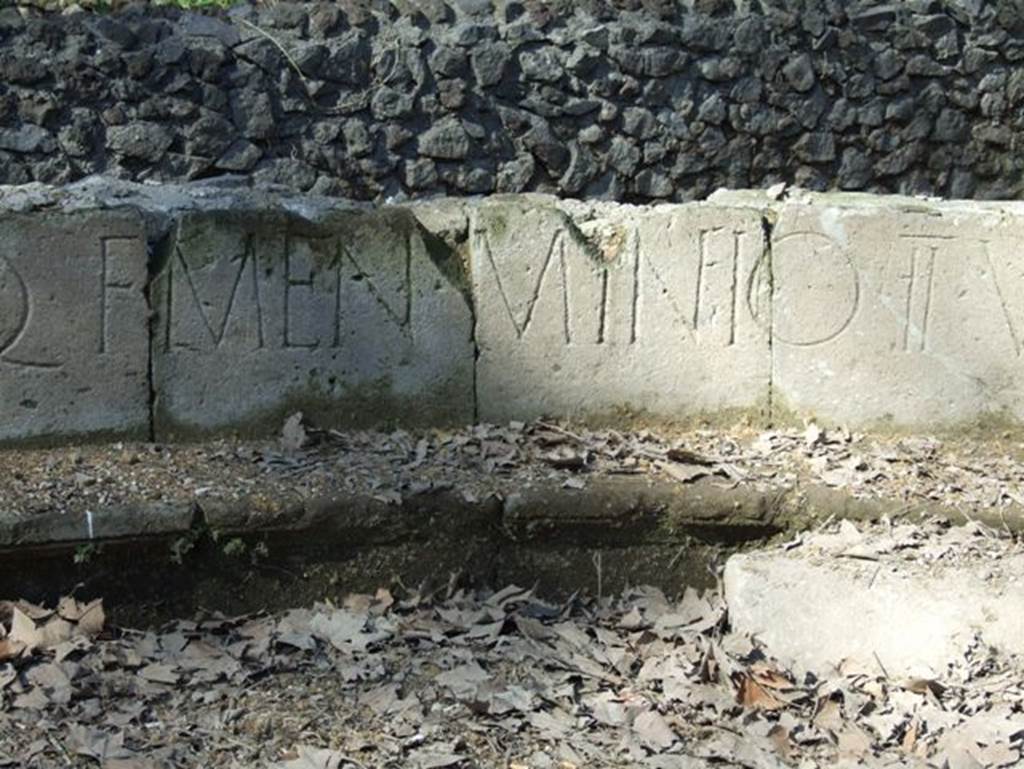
349, 320
892, 314
642, 311
74, 348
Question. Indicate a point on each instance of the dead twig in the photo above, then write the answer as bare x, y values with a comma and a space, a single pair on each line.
885, 673
677, 556
284, 51
561, 431
874, 576
59, 747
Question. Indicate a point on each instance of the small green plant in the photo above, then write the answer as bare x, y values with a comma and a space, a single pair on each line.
234, 548
86, 552
260, 551
183, 545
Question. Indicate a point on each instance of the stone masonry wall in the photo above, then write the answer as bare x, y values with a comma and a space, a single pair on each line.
629, 100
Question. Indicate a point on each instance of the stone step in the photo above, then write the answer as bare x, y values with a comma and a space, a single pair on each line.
561, 506
888, 602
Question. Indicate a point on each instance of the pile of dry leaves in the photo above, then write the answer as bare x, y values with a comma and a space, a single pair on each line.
473, 680
486, 459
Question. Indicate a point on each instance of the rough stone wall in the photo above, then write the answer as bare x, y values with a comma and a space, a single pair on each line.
632, 100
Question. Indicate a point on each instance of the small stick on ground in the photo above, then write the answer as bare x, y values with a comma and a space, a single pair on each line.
1006, 526
826, 522
59, 747
885, 673
561, 430
677, 556
874, 576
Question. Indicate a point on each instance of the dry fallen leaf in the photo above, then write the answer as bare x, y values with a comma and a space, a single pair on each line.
829, 715
39, 634
854, 742
684, 473
770, 678
924, 686
909, 741
159, 673
653, 730
687, 457
813, 435
779, 735
751, 694
304, 757
34, 627
293, 433
97, 744
566, 458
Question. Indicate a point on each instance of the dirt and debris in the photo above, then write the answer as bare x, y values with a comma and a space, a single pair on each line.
410, 678
497, 679
487, 459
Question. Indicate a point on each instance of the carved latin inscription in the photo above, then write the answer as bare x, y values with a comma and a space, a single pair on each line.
902, 314
630, 308
193, 294
693, 278
346, 319
549, 275
920, 283
24, 314
815, 289
292, 293
74, 348
118, 280
944, 290
663, 280
14, 306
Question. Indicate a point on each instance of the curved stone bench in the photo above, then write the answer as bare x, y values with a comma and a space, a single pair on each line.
180, 311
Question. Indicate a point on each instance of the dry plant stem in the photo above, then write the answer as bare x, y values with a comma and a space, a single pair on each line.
885, 673
561, 431
284, 51
874, 576
59, 747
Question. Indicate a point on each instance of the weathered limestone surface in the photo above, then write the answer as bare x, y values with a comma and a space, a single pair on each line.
349, 319
886, 617
630, 310
898, 314
866, 310
73, 326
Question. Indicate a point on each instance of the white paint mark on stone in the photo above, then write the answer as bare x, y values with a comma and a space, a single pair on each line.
832, 225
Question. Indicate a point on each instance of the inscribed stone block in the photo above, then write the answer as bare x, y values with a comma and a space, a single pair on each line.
74, 346
350, 319
896, 314
632, 311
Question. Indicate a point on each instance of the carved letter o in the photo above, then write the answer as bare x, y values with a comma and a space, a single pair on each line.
815, 289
